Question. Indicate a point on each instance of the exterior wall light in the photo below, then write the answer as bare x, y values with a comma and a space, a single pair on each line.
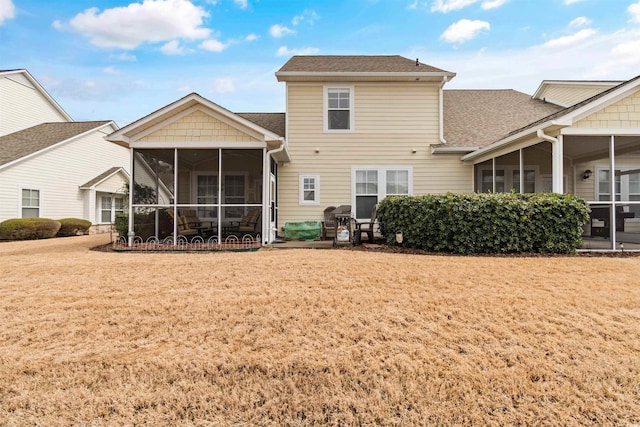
587, 174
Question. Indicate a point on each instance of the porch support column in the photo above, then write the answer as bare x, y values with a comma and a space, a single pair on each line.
131, 234
266, 232
612, 190
558, 164
521, 171
493, 175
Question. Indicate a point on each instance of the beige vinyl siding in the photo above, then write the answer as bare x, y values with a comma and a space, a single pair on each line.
23, 106
58, 173
111, 184
390, 121
198, 127
568, 95
623, 114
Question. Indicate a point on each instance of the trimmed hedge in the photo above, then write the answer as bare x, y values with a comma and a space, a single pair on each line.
486, 223
73, 227
121, 224
28, 228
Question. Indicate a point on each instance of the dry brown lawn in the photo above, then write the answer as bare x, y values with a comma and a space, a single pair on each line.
314, 337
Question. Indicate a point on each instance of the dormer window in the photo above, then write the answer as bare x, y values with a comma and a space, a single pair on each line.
339, 109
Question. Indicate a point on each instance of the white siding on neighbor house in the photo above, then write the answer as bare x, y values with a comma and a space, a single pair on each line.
390, 122
58, 173
568, 95
22, 105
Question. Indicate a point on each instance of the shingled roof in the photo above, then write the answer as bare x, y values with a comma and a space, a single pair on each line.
274, 122
476, 118
356, 64
28, 141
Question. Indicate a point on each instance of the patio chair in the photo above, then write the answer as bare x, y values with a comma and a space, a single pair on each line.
183, 227
366, 227
248, 224
191, 220
329, 224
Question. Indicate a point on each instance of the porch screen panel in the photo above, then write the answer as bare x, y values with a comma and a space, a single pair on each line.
241, 184
153, 177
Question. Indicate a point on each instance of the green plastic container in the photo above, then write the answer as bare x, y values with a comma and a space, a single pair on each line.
304, 230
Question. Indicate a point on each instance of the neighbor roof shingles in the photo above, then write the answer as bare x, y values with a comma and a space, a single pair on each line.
27, 141
476, 118
356, 64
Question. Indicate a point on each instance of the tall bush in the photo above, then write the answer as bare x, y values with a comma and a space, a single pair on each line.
73, 227
486, 223
28, 228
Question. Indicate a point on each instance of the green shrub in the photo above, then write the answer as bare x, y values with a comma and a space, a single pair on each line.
28, 228
121, 224
486, 223
73, 227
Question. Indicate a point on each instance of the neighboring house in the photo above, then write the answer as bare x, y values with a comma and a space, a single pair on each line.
360, 128
24, 103
51, 166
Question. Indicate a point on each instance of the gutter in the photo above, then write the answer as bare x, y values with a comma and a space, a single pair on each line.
453, 150
441, 108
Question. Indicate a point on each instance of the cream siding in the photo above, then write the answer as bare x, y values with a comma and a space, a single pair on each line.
22, 105
58, 173
198, 127
623, 114
567, 95
391, 121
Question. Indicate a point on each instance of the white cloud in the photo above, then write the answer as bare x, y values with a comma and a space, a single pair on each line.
580, 21
252, 37
568, 2
284, 51
464, 30
213, 45
7, 10
224, 85
57, 24
493, 4
110, 70
172, 48
242, 4
446, 6
627, 53
571, 39
634, 10
278, 31
308, 16
149, 21
124, 57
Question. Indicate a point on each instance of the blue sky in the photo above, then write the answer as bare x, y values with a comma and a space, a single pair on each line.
122, 59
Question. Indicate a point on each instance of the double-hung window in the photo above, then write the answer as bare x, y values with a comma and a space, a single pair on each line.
109, 210
371, 184
339, 109
30, 203
309, 189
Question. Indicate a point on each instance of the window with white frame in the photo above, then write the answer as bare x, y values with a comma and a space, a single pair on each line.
109, 207
508, 178
30, 203
372, 184
309, 189
339, 108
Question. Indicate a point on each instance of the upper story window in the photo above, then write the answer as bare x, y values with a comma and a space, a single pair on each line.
339, 109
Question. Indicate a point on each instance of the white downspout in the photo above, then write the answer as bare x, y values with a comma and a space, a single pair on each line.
266, 186
441, 109
557, 154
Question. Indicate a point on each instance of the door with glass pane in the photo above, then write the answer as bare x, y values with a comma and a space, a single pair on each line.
234, 194
207, 194
366, 192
